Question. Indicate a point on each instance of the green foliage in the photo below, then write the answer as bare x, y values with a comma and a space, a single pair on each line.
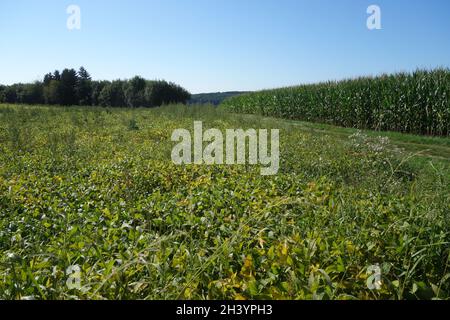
52, 92
215, 98
84, 89
30, 93
95, 187
2, 94
139, 92
10, 94
77, 88
68, 88
135, 92
112, 95
158, 93
97, 87
132, 124
416, 103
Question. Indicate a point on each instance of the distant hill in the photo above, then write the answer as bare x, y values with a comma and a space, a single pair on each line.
214, 98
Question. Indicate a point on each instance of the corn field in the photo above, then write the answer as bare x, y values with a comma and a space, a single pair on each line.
417, 102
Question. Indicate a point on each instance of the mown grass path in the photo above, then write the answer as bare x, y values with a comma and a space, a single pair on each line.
425, 146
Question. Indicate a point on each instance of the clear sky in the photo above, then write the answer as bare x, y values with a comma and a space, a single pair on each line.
221, 45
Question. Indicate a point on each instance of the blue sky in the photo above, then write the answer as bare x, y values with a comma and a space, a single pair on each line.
221, 45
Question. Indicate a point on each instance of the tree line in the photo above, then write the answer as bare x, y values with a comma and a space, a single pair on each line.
71, 87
